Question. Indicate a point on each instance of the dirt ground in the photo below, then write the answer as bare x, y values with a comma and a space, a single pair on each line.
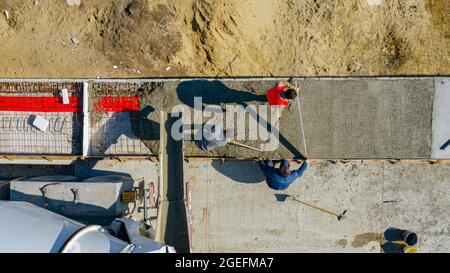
140, 38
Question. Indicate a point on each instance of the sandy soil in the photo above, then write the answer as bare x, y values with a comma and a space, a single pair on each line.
142, 38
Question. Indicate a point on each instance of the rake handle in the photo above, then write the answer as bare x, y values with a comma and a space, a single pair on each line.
245, 146
317, 207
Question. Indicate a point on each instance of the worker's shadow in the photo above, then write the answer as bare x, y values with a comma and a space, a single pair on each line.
144, 124
216, 93
248, 172
130, 125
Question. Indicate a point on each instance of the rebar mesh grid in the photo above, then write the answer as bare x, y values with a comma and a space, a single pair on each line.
19, 136
115, 123
21, 103
50, 88
118, 89
115, 134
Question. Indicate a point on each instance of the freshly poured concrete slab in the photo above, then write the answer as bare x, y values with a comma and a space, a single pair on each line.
355, 118
235, 211
342, 118
368, 118
220, 94
441, 119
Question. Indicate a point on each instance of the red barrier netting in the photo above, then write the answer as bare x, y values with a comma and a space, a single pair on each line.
39, 104
117, 104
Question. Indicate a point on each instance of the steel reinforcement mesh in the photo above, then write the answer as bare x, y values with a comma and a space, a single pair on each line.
20, 105
115, 122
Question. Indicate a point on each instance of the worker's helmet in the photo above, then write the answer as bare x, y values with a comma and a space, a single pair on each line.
290, 93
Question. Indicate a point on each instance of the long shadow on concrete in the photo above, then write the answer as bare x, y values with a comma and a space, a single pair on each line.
248, 173
175, 223
216, 93
84, 169
12, 171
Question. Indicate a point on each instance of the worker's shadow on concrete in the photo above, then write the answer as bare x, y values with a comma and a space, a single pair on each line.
145, 127
216, 93
131, 125
240, 171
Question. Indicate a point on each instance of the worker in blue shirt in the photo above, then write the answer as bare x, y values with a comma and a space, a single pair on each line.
282, 178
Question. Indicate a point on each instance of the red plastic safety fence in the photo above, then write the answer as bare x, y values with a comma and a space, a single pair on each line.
39, 104
117, 104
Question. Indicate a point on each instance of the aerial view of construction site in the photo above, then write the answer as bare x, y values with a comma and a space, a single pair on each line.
225, 126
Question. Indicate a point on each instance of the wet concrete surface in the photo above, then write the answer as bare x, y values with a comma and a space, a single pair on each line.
218, 94
354, 118
368, 118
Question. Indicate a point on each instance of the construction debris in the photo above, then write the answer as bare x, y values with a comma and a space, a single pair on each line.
374, 2
73, 2
6, 14
40, 123
74, 38
65, 96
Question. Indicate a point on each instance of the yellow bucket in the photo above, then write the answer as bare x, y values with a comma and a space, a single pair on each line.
409, 249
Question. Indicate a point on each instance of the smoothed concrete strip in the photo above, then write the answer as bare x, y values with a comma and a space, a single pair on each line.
356, 118
368, 118
441, 120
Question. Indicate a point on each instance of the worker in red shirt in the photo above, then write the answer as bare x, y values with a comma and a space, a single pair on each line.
281, 94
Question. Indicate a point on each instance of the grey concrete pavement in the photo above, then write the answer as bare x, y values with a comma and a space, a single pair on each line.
235, 211
232, 212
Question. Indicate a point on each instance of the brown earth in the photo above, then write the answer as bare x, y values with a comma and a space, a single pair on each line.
142, 38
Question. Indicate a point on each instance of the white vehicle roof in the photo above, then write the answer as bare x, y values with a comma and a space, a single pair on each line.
27, 228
